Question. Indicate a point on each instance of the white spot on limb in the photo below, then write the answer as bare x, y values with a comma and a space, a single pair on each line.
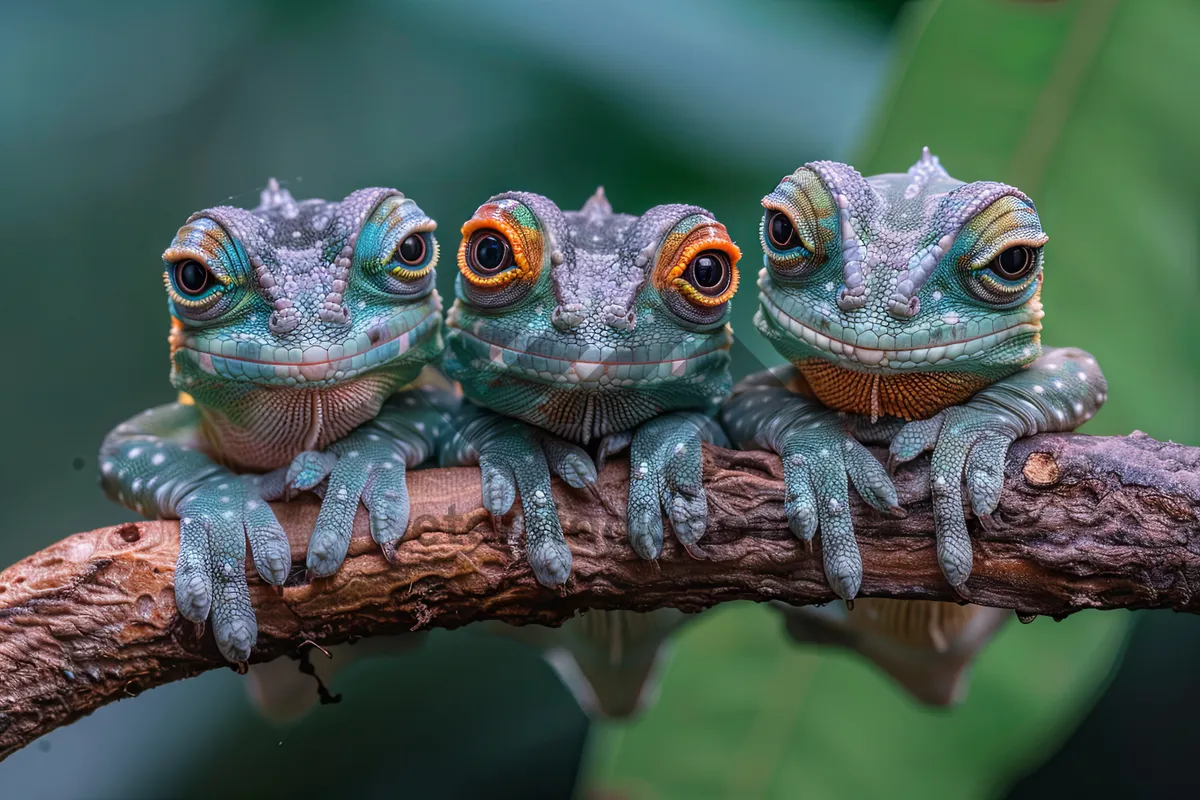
225, 499
227, 514
834, 506
251, 505
342, 494
352, 454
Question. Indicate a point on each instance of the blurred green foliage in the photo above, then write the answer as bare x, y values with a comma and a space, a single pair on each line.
1070, 102
119, 119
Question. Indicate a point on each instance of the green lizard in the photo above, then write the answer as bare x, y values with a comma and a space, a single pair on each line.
909, 307
591, 327
292, 325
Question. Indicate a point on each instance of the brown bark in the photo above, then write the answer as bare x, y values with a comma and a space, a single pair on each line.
1085, 522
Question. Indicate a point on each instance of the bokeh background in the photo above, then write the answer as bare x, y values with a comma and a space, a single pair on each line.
119, 119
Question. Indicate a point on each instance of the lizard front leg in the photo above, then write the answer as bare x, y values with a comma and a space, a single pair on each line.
820, 449
518, 459
369, 465
1057, 392
152, 465
665, 478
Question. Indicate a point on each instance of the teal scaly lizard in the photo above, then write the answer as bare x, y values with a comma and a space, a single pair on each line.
593, 328
293, 326
909, 307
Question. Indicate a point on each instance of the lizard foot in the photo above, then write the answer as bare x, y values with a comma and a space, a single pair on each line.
515, 458
665, 465
970, 442
819, 454
216, 520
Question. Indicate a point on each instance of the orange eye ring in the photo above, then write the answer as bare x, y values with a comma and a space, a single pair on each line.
711, 240
510, 251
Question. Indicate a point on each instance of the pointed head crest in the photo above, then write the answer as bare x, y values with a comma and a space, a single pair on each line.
274, 196
597, 205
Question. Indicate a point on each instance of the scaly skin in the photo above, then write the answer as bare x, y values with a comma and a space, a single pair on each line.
909, 307
889, 296
292, 325
599, 328
590, 334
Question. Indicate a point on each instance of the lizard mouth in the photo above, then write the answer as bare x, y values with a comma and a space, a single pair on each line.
594, 366
378, 346
899, 359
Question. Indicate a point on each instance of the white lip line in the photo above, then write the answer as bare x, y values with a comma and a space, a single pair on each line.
776, 310
590, 363
371, 349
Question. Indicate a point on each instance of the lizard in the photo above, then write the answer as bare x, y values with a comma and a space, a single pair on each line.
908, 306
294, 328
592, 328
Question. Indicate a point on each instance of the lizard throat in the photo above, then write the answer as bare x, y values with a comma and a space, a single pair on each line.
907, 395
267, 427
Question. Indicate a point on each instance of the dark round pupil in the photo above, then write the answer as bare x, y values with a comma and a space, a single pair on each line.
490, 251
412, 249
708, 271
1014, 261
780, 229
191, 276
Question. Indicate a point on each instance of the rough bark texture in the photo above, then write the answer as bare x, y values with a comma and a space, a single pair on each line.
1085, 522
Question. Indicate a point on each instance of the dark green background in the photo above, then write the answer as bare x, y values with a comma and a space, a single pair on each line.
119, 119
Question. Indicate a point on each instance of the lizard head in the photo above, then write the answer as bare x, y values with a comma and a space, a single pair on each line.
891, 290
304, 295
589, 322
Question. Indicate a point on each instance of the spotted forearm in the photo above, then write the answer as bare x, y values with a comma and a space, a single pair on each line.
1058, 392
150, 463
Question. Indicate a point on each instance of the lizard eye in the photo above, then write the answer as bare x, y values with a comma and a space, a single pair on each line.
1014, 263
501, 253
489, 253
780, 231
412, 250
709, 272
192, 278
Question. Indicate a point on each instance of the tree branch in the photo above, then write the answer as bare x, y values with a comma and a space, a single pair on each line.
1085, 522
